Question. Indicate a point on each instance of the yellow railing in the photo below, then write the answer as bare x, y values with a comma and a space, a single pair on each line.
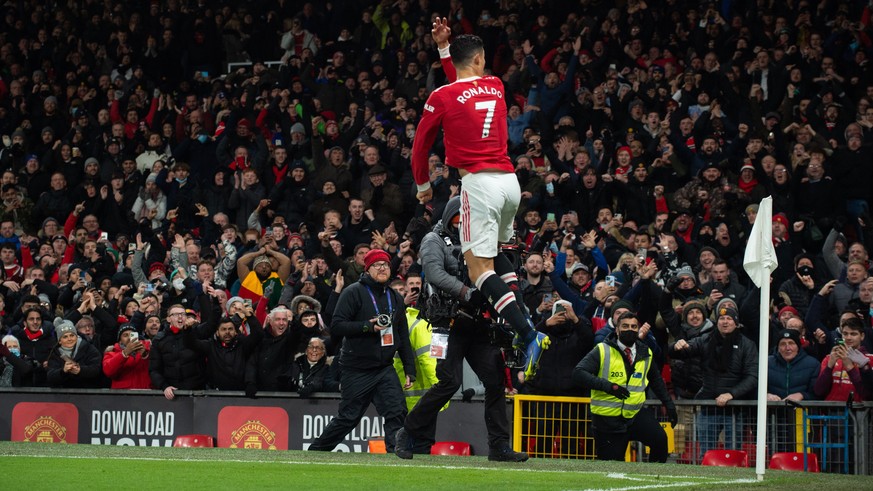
553, 427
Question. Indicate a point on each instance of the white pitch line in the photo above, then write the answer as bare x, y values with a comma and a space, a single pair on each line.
673, 485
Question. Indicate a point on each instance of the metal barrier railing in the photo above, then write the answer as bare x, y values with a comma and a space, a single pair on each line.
840, 436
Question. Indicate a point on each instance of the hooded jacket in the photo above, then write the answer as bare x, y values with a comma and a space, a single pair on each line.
439, 253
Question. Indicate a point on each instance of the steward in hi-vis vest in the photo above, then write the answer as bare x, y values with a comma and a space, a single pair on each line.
618, 371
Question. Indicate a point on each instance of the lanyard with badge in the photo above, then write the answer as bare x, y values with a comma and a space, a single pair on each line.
383, 320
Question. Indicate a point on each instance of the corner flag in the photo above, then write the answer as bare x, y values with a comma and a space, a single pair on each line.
760, 259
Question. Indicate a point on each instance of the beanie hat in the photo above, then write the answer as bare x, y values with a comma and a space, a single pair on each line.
781, 218
790, 334
621, 304
788, 308
157, 266
685, 271
125, 327
709, 249
730, 312
297, 128
374, 256
692, 305
726, 302
233, 300
260, 260
63, 326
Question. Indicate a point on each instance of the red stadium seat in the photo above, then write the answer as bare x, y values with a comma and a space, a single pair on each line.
200, 441
726, 458
793, 461
450, 448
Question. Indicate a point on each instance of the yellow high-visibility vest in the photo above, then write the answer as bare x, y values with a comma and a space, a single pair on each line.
613, 368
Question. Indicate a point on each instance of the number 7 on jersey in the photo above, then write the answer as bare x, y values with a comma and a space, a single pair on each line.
489, 116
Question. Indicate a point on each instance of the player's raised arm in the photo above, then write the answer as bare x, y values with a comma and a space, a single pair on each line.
441, 33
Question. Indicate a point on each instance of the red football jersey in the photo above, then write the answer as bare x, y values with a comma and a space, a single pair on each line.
472, 113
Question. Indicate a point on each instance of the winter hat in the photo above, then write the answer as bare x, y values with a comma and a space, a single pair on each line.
18, 132
152, 177
726, 302
242, 123
788, 308
790, 334
125, 327
685, 271
692, 305
375, 256
730, 312
565, 303
233, 300
260, 260
781, 218
157, 266
297, 128
621, 304
624, 149
710, 249
63, 326
747, 166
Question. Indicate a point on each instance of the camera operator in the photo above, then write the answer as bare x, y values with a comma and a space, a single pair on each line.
468, 338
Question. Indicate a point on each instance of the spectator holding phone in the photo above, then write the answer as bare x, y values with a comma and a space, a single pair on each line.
841, 370
126, 362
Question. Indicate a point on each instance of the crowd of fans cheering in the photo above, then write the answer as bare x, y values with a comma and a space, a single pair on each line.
150, 189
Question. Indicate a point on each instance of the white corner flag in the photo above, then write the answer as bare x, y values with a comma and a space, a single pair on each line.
759, 262
760, 258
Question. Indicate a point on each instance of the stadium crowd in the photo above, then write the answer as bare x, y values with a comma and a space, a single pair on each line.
161, 209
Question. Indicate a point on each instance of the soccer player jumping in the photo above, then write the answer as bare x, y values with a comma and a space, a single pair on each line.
472, 112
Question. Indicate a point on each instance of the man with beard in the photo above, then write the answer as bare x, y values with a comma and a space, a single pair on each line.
705, 195
228, 351
689, 323
618, 372
264, 279
371, 319
534, 285
730, 371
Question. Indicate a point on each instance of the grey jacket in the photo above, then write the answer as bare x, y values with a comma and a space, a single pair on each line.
439, 259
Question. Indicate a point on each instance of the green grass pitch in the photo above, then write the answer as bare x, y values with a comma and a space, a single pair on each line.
34, 466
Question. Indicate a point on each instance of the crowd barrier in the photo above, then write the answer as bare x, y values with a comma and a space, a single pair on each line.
839, 435
276, 421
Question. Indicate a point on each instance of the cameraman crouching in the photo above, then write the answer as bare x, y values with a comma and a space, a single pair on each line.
468, 338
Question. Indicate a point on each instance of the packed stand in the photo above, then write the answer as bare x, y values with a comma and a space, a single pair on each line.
160, 211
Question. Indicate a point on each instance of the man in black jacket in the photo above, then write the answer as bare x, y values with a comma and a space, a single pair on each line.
275, 354
228, 351
372, 319
468, 339
730, 371
172, 365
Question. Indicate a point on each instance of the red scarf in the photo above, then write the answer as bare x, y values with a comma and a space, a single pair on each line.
33, 336
175, 330
747, 186
280, 173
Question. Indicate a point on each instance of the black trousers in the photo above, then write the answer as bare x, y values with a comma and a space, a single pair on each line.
644, 428
470, 341
360, 387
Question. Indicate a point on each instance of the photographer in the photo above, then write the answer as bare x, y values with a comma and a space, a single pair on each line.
468, 338
371, 319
